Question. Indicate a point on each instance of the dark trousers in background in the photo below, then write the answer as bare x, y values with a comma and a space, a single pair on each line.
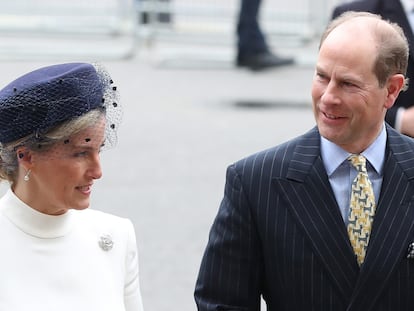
250, 37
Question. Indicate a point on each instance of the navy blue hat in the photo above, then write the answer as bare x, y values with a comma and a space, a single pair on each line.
46, 97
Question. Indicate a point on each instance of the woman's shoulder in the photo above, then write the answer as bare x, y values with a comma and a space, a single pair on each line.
103, 221
101, 215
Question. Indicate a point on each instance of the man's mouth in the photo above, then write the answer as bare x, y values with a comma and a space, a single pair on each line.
330, 116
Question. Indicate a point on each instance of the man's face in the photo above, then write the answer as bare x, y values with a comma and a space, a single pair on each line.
348, 103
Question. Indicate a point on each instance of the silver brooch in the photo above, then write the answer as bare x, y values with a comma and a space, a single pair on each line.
410, 254
106, 242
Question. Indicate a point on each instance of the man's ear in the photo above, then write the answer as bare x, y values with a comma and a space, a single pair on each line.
394, 86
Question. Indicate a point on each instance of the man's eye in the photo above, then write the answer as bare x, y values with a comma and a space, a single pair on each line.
321, 76
348, 84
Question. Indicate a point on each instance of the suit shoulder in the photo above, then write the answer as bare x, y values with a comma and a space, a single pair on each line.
279, 155
397, 139
409, 141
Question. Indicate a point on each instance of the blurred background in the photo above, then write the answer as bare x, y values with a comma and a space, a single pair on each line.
189, 112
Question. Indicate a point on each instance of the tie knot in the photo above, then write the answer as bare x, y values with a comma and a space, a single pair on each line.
359, 162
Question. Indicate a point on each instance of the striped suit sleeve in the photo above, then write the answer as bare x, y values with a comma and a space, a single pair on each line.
231, 267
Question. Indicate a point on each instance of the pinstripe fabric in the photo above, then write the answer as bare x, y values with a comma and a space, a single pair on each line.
279, 233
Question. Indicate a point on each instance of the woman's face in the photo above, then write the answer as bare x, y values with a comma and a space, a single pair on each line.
62, 178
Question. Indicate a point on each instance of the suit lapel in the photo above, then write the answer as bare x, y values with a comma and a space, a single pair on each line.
393, 225
311, 201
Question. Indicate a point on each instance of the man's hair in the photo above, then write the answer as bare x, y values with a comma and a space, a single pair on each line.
391, 43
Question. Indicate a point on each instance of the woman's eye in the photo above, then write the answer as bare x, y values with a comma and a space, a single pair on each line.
81, 154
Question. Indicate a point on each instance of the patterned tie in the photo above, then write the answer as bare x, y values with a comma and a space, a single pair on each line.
362, 208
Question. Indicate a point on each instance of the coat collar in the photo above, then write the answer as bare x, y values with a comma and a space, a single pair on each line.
313, 205
393, 226
33, 222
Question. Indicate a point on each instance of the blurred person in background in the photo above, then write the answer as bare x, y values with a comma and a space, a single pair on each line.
57, 253
253, 51
401, 115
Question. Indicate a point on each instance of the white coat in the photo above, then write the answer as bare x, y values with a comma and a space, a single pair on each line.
79, 261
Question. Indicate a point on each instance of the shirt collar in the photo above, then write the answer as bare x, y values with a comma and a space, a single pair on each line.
333, 155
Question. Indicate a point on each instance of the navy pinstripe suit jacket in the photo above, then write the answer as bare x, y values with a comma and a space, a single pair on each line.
279, 233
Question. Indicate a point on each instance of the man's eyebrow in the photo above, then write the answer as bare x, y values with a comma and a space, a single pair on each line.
319, 69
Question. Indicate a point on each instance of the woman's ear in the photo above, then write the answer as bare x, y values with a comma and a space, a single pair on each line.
24, 157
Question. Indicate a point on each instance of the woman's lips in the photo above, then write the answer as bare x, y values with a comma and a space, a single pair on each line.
85, 189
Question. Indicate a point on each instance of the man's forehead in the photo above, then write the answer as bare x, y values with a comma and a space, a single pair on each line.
358, 28
351, 38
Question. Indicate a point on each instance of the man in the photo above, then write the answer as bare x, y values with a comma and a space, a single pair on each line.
252, 49
401, 115
287, 228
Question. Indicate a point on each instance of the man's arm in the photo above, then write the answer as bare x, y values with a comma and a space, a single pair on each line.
231, 270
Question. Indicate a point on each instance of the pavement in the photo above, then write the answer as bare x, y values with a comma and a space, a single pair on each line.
188, 114
184, 124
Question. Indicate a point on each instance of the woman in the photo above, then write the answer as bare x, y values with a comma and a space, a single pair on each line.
57, 254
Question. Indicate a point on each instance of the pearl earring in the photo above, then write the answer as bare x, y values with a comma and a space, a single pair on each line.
27, 176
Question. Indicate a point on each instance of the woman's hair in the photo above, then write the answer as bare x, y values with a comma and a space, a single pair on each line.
391, 43
8, 153
51, 104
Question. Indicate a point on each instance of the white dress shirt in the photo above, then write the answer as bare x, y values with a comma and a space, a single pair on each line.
341, 173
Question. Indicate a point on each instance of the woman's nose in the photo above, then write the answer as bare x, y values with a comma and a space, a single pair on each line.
95, 169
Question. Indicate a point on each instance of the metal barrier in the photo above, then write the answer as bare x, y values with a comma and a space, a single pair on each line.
111, 28
215, 20
71, 29
201, 33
